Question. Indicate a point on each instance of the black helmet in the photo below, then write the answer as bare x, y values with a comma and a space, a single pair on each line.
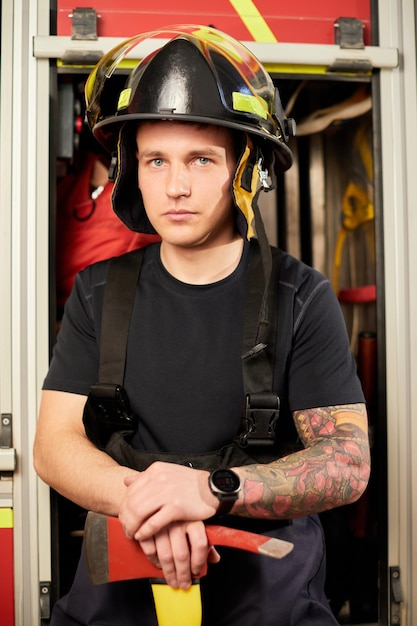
198, 75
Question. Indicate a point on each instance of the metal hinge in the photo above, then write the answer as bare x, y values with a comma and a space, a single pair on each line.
45, 599
348, 34
7, 461
396, 596
7, 452
84, 31
84, 23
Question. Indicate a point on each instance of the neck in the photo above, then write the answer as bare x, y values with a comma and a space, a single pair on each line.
199, 266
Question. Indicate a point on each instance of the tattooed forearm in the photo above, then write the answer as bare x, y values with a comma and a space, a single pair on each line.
332, 470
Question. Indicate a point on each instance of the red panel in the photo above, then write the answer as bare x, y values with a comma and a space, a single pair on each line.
299, 21
303, 21
6, 577
127, 18
319, 9
309, 30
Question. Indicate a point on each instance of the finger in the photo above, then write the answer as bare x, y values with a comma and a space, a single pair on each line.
131, 522
135, 510
199, 546
182, 555
166, 558
154, 523
213, 555
149, 549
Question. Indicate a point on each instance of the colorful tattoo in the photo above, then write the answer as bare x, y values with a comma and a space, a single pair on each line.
332, 470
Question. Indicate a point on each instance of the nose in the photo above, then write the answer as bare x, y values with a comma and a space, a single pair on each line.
178, 183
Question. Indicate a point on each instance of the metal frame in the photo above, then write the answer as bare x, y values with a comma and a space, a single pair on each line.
24, 171
398, 107
55, 47
24, 223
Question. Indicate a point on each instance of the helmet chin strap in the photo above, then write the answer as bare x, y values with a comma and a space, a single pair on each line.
252, 177
264, 176
266, 256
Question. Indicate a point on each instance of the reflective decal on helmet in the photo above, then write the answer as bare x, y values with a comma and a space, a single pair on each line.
250, 104
124, 99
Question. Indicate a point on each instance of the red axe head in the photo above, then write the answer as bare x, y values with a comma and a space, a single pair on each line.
112, 557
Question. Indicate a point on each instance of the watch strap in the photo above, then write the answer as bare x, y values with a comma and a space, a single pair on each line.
225, 506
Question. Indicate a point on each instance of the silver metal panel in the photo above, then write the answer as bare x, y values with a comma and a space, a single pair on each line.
281, 53
7, 459
399, 157
24, 351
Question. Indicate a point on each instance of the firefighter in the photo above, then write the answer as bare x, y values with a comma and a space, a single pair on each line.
197, 132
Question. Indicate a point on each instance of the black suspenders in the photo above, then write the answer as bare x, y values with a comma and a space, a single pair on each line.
261, 408
108, 407
119, 297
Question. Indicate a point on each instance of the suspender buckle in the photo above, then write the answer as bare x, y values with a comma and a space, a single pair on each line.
107, 410
259, 420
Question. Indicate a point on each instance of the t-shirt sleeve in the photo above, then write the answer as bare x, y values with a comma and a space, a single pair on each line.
322, 370
74, 363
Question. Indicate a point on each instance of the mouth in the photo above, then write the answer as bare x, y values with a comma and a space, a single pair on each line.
179, 215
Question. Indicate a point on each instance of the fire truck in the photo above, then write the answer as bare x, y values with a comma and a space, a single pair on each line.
346, 71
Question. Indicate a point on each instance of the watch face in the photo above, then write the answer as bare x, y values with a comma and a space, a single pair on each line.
225, 480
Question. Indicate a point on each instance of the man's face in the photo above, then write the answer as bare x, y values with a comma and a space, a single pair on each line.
184, 173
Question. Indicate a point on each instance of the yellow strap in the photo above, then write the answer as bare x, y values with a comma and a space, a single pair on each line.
362, 143
177, 607
243, 197
357, 211
356, 207
341, 238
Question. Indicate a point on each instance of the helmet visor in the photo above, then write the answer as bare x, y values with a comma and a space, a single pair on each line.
255, 95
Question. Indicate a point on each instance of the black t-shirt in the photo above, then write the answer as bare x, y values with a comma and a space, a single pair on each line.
183, 368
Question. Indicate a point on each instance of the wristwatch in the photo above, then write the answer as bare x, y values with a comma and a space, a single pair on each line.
225, 485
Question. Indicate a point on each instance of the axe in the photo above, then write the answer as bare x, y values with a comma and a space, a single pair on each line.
112, 557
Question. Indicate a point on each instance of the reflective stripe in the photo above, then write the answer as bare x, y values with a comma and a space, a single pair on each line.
6, 518
250, 104
253, 20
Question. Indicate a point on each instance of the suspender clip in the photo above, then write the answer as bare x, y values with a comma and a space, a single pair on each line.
259, 420
107, 410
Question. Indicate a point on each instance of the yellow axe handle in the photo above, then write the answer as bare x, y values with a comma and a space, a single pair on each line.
177, 607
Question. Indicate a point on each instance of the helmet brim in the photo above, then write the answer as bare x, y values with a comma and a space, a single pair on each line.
107, 132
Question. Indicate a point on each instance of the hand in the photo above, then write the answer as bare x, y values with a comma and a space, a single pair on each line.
181, 551
163, 494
